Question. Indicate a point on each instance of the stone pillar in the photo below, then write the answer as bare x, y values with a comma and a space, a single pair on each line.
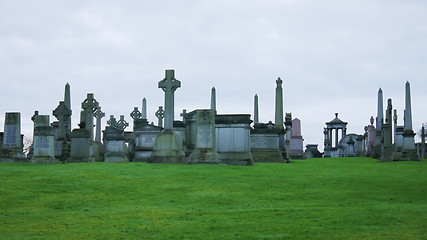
168, 147
376, 153
98, 114
279, 104
408, 150
387, 132
213, 99
256, 116
43, 141
423, 140
12, 140
144, 109
395, 127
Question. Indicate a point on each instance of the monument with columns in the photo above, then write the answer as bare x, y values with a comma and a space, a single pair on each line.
168, 147
333, 136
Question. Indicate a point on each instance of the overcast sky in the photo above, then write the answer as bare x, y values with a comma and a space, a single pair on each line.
333, 56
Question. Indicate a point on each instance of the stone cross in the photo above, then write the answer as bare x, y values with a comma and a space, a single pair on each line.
33, 118
184, 111
144, 109
169, 85
122, 124
62, 113
160, 115
89, 105
112, 121
98, 114
136, 114
279, 104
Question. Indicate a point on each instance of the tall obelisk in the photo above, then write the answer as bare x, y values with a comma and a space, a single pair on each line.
376, 153
408, 150
256, 116
279, 104
67, 102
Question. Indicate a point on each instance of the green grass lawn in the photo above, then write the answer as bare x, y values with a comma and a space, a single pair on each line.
336, 198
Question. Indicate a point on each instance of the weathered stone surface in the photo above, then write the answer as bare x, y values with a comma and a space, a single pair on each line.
11, 150
264, 143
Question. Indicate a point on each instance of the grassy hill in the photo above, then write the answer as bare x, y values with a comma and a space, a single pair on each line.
336, 198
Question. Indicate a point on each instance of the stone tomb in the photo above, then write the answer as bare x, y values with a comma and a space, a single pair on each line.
201, 141
80, 146
143, 138
312, 151
265, 143
43, 141
114, 141
233, 138
11, 150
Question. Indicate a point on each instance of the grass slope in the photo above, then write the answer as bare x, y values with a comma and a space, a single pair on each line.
336, 198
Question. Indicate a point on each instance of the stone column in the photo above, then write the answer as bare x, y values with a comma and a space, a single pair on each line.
279, 104
395, 125
408, 149
144, 109
98, 114
213, 99
423, 140
169, 85
256, 119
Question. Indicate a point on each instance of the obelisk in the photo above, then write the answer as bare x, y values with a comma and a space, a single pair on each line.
67, 102
213, 99
376, 153
256, 116
144, 109
279, 104
408, 150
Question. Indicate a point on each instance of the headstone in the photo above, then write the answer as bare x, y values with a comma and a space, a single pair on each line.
264, 143
143, 138
376, 153
233, 138
12, 140
43, 141
114, 141
89, 105
168, 147
312, 151
296, 150
81, 149
201, 128
409, 152
287, 137
386, 154
62, 113
371, 137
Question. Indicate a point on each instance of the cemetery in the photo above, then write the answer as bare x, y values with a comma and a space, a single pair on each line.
203, 136
209, 175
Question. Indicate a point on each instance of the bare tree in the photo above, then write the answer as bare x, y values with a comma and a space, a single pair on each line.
27, 145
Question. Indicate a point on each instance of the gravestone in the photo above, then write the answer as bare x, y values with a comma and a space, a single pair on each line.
296, 149
201, 129
168, 147
61, 134
143, 138
98, 114
233, 138
264, 143
370, 142
11, 150
114, 141
312, 151
43, 141
386, 154
80, 149
287, 137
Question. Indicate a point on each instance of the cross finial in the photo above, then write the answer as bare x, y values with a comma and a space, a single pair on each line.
136, 114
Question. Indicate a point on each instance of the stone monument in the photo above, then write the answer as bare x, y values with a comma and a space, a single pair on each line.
11, 150
386, 153
296, 150
89, 105
201, 128
376, 153
168, 146
264, 143
43, 141
62, 144
114, 141
81, 150
160, 114
370, 142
